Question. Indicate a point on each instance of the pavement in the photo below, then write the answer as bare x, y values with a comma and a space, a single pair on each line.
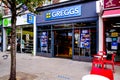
49, 68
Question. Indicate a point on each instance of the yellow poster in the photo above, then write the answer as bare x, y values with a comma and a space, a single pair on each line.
114, 34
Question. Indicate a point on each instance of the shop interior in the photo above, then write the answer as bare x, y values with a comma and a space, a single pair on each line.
84, 39
63, 43
66, 39
112, 36
25, 39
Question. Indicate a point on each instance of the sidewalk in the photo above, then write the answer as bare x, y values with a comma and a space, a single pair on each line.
49, 68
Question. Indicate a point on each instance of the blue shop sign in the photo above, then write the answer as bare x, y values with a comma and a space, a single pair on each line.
30, 18
71, 11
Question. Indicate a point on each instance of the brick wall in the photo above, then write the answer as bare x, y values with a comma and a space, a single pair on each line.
55, 1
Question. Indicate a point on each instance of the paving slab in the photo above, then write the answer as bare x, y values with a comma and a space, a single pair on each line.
49, 68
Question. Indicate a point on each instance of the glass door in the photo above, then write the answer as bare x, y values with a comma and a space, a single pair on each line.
63, 43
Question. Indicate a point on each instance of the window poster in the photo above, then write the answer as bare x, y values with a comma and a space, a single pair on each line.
114, 39
114, 34
44, 42
108, 39
114, 45
85, 39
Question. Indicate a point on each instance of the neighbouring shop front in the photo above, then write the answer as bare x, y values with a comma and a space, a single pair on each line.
111, 20
69, 31
24, 34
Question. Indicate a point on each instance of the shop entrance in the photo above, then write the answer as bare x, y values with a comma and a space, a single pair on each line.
113, 42
63, 43
112, 37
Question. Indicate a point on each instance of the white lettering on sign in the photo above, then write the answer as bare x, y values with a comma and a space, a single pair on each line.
65, 12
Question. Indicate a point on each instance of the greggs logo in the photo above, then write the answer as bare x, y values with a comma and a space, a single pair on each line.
63, 12
48, 15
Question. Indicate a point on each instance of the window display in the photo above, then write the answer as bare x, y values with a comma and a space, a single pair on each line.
85, 39
112, 41
85, 42
44, 42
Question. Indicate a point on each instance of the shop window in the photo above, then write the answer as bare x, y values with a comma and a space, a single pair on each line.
84, 39
44, 40
113, 40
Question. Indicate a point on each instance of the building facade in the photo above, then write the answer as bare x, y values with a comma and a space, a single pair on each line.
49, 2
70, 31
24, 30
111, 24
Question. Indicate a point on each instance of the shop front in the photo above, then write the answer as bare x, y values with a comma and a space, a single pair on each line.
111, 21
24, 34
69, 31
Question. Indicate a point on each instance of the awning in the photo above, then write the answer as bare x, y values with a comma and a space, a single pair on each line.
111, 13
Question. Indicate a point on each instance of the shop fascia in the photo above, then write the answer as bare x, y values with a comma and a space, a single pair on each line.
21, 20
71, 11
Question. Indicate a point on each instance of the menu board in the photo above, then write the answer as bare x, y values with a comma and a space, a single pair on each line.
44, 42
85, 39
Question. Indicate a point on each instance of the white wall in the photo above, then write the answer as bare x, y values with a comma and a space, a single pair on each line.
63, 0
4, 40
99, 9
101, 35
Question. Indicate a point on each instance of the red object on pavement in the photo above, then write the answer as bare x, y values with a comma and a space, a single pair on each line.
104, 72
98, 59
111, 62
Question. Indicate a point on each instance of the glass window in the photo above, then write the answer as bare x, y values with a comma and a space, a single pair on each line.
84, 39
27, 39
44, 40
